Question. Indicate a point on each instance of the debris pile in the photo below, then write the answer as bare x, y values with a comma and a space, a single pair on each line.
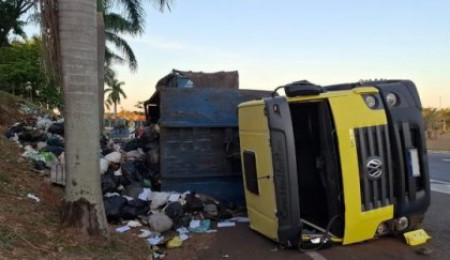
42, 138
132, 196
130, 183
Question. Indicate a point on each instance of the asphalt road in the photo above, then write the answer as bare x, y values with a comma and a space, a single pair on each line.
242, 243
439, 163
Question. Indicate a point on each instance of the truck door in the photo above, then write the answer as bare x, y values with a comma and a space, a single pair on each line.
269, 168
284, 169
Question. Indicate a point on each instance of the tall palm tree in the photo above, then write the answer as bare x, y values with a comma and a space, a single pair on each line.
82, 207
130, 21
70, 39
10, 13
115, 92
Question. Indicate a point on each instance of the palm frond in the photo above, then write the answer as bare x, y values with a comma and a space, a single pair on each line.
133, 10
35, 18
109, 73
162, 4
123, 93
111, 57
123, 46
118, 24
18, 29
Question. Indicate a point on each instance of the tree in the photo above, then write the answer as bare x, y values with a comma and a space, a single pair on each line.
21, 67
130, 21
139, 104
82, 207
115, 91
10, 13
71, 52
430, 118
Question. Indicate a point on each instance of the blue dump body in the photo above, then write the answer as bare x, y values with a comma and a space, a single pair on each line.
199, 140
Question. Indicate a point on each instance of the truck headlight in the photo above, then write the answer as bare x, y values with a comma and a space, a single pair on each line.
401, 223
371, 101
383, 229
391, 99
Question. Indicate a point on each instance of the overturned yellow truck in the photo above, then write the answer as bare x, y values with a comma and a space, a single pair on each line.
346, 160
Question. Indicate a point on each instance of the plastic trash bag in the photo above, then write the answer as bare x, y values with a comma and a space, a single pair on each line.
32, 136
203, 226
114, 157
104, 164
133, 190
135, 208
56, 150
160, 222
129, 172
113, 207
175, 211
133, 145
158, 199
174, 242
56, 128
43, 123
193, 203
55, 140
110, 183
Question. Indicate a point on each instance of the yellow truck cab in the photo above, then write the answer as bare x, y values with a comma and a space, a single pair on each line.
346, 160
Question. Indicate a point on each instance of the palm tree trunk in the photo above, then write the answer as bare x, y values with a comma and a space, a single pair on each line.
101, 62
115, 110
82, 207
101, 66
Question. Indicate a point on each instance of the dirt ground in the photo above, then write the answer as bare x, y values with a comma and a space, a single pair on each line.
30, 229
442, 142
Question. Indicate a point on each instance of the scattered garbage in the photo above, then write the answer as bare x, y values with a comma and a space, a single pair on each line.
158, 253
156, 240
195, 223
240, 219
184, 237
200, 227
130, 183
416, 237
134, 224
226, 224
145, 194
145, 233
174, 242
123, 229
33, 197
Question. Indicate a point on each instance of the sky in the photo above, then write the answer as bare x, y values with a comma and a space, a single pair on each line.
272, 43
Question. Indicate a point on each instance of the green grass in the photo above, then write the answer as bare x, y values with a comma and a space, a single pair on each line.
5, 178
7, 238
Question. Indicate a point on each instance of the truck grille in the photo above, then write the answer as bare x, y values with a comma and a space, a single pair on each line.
374, 155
